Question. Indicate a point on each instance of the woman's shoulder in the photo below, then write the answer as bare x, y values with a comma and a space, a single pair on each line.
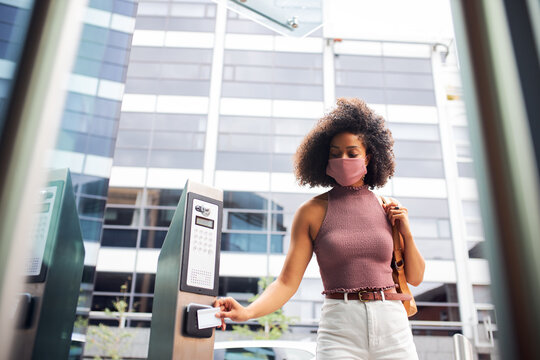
314, 207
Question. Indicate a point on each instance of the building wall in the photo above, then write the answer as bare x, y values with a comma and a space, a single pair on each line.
270, 90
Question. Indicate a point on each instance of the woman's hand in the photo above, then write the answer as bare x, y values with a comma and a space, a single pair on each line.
230, 308
395, 211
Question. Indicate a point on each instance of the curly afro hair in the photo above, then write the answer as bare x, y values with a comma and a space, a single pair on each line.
353, 116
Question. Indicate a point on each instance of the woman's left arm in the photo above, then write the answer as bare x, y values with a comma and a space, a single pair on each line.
413, 261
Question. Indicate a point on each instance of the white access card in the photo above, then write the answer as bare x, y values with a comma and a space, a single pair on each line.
207, 318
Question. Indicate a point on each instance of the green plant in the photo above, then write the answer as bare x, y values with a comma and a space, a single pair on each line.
272, 326
110, 341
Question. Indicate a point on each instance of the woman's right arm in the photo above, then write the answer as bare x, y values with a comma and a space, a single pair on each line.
288, 281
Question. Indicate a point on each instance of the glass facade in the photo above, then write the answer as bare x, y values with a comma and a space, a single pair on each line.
14, 23
88, 131
270, 94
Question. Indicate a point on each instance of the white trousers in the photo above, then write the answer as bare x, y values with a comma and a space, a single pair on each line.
354, 330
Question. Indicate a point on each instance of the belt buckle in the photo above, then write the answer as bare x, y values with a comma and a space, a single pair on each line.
360, 295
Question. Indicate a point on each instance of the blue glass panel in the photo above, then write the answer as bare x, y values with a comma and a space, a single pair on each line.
113, 72
128, 8
95, 34
14, 22
255, 243
80, 103
244, 200
91, 207
101, 146
87, 67
116, 55
119, 237
276, 244
119, 39
107, 108
247, 221
91, 230
153, 238
121, 216
106, 5
94, 186
71, 141
92, 50
158, 217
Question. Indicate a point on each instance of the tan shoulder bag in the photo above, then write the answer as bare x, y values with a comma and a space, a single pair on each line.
398, 271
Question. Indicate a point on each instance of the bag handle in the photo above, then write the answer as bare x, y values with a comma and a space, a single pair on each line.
398, 251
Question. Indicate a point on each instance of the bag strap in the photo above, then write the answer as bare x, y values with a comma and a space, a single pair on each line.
398, 254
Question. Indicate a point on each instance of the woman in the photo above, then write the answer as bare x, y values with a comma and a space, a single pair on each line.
349, 229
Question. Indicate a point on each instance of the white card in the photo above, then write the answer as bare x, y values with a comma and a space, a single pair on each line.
207, 318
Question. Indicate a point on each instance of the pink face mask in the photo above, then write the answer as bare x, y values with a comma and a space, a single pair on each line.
346, 171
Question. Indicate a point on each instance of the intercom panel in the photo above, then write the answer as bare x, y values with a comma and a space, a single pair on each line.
36, 266
202, 241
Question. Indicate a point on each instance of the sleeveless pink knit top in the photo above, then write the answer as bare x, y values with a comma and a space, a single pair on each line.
354, 244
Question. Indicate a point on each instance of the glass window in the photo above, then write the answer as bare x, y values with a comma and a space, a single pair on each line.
158, 217
247, 221
101, 146
163, 197
91, 230
91, 50
178, 140
122, 216
153, 239
277, 222
112, 281
91, 207
244, 161
128, 8
176, 159
119, 39
119, 237
244, 143
255, 243
130, 157
244, 285
419, 168
102, 302
87, 67
145, 283
143, 304
94, 186
107, 108
133, 139
112, 72
249, 125
125, 196
244, 200
14, 22
417, 150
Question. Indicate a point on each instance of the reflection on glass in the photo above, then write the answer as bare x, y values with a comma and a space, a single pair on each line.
158, 217
163, 197
244, 200
112, 281
145, 283
254, 243
91, 207
247, 221
122, 216
14, 23
143, 304
153, 239
125, 196
119, 237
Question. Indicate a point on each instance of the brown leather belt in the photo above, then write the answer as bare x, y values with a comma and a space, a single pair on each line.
370, 296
